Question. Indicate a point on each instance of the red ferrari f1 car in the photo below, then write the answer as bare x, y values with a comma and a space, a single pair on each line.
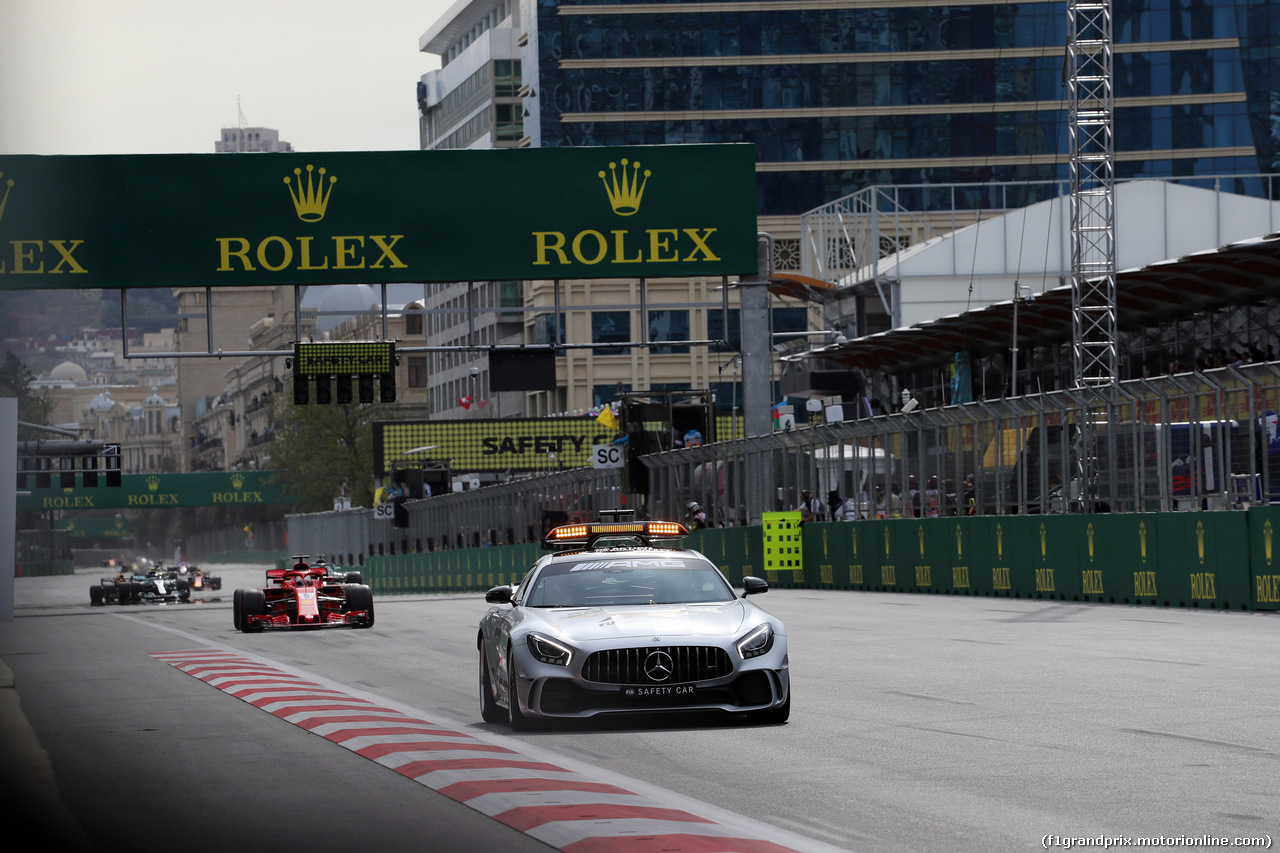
306, 595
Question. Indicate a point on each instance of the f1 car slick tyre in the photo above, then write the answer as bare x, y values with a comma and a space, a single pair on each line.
95, 595
354, 577
248, 603
515, 717
490, 712
360, 597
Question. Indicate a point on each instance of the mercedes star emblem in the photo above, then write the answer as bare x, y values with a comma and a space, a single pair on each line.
658, 666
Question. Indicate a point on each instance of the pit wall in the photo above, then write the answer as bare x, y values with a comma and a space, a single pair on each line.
1212, 560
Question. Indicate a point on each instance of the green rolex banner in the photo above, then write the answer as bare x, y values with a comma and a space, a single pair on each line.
115, 221
156, 491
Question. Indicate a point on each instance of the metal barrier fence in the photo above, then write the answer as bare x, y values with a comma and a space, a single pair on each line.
505, 514
1192, 441
1205, 440
262, 541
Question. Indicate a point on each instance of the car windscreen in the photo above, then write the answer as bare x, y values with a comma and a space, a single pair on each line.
604, 582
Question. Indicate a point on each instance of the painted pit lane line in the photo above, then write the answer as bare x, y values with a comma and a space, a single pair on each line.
569, 805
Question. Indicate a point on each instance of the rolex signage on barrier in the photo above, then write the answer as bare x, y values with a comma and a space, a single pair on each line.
160, 491
182, 220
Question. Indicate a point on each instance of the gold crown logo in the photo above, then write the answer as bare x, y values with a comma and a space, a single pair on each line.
310, 200
625, 195
153, 483
237, 480
8, 185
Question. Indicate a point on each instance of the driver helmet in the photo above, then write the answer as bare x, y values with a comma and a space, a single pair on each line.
693, 506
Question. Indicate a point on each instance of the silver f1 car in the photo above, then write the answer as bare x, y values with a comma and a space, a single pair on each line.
616, 625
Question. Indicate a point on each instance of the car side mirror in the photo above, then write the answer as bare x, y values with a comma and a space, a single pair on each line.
499, 595
752, 586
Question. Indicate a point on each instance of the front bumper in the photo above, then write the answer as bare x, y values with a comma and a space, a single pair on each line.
551, 691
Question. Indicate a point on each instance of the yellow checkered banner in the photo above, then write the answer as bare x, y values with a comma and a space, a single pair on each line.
349, 358
114, 221
525, 444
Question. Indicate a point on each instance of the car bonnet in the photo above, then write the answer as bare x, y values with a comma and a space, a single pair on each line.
587, 625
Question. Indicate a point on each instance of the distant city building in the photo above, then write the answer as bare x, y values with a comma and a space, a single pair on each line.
250, 140
485, 96
951, 106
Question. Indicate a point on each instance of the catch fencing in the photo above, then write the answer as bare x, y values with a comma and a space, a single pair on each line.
1192, 441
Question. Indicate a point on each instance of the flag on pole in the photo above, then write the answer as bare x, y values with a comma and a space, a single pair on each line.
608, 418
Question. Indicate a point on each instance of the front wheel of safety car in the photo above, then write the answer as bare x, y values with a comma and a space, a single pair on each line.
490, 711
515, 717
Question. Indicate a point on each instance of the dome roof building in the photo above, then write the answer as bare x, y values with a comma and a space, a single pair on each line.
69, 371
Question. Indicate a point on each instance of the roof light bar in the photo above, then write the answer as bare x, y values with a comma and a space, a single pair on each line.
584, 534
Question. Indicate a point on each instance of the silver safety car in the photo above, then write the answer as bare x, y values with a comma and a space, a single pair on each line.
611, 624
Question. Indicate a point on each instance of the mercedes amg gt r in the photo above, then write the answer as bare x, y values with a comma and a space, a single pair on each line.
612, 624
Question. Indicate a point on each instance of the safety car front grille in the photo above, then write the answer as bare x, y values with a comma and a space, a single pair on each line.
630, 666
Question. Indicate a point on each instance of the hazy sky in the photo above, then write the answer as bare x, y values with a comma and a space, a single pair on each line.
164, 76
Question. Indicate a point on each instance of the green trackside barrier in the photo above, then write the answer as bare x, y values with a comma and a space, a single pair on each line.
44, 568
737, 551
1264, 557
826, 546
1216, 560
1103, 559
1204, 560
971, 556
722, 546
465, 570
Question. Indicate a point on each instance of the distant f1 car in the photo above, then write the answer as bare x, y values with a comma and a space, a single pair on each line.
159, 585
200, 580
306, 595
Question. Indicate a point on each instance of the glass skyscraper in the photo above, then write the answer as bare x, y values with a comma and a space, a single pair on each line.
838, 95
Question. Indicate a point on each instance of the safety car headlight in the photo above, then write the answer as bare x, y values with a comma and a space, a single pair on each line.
757, 642
549, 651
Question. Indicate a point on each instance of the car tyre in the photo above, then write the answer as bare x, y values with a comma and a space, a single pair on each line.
354, 577
252, 603
490, 711
360, 597
515, 717
95, 595
237, 609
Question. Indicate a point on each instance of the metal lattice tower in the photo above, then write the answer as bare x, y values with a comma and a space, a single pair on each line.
1091, 128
